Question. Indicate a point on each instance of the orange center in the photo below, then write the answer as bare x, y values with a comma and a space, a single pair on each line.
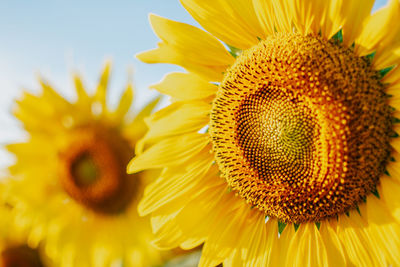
93, 170
301, 127
20, 256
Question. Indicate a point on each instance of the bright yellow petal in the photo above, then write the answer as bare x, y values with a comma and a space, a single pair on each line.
185, 86
308, 15
306, 247
167, 54
260, 245
379, 31
168, 152
355, 242
394, 168
233, 22
189, 47
198, 46
178, 118
383, 230
168, 237
334, 248
174, 183
224, 235
137, 127
389, 192
206, 204
283, 15
353, 13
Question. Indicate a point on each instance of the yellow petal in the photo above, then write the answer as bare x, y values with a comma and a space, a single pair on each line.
208, 258
206, 204
334, 248
177, 119
260, 245
306, 247
185, 86
174, 183
283, 15
387, 57
233, 22
263, 10
168, 237
389, 192
308, 15
188, 47
393, 168
354, 240
332, 21
224, 233
101, 91
168, 152
167, 54
137, 127
198, 46
379, 30
383, 230
353, 13
125, 104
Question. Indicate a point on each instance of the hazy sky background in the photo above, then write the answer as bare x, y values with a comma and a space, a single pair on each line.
56, 37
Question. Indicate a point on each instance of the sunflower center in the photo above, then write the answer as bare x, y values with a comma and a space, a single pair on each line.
92, 168
301, 128
21, 256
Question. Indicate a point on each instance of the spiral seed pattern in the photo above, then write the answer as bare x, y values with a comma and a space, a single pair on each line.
301, 128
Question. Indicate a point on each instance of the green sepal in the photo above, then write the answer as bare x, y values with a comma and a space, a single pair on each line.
358, 210
364, 199
393, 134
235, 52
370, 57
281, 227
395, 120
318, 224
338, 37
296, 226
383, 72
376, 193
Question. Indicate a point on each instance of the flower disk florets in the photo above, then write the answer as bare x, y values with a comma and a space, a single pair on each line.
301, 127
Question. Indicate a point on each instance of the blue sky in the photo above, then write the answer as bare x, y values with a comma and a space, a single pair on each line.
56, 37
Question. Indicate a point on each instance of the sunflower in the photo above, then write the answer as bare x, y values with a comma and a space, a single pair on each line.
279, 146
14, 250
70, 187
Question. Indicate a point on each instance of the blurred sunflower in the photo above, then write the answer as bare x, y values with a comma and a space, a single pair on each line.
13, 248
279, 146
70, 186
